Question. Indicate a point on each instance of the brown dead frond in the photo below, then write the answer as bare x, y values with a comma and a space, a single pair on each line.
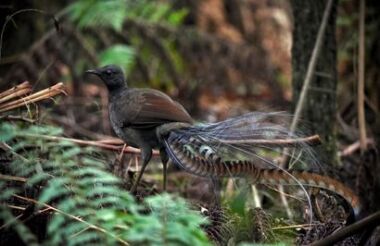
16, 96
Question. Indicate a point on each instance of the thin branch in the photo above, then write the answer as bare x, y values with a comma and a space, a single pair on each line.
293, 227
311, 66
366, 223
361, 109
99, 144
311, 140
4, 96
6, 147
57, 87
121, 155
10, 222
69, 123
285, 194
38, 96
20, 215
256, 198
16, 207
10, 17
306, 84
350, 149
12, 178
18, 93
17, 117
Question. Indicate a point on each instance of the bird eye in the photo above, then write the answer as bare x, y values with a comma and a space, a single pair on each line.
108, 72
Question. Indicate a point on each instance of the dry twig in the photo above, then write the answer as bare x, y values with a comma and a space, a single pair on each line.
306, 84
361, 81
311, 66
350, 149
109, 144
366, 223
311, 140
12, 178
38, 96
16, 91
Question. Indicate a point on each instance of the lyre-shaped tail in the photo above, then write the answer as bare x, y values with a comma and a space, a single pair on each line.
280, 177
200, 160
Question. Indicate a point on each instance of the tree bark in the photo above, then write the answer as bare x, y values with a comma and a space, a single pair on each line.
319, 111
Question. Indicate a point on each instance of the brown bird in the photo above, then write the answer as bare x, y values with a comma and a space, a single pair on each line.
135, 115
147, 119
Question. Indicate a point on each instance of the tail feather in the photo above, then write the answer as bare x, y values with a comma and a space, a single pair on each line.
205, 164
245, 137
279, 177
234, 148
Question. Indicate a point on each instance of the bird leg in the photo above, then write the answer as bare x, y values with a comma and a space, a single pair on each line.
215, 189
164, 173
164, 159
162, 131
146, 155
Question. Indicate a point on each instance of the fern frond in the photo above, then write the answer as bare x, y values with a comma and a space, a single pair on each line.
122, 55
11, 221
89, 204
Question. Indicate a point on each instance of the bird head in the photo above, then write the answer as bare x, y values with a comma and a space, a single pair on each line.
111, 75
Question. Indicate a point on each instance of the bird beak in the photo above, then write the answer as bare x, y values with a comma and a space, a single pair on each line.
93, 71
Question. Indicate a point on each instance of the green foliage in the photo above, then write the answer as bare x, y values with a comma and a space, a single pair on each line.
170, 222
118, 54
90, 205
238, 202
155, 11
257, 226
98, 14
112, 13
9, 219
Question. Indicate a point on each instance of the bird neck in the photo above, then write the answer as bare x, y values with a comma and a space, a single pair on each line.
116, 90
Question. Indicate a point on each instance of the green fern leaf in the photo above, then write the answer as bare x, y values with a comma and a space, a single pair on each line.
55, 189
122, 55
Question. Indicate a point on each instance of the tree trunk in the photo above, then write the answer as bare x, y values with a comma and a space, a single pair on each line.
319, 110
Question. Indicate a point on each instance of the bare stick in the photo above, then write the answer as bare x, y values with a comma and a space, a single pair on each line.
15, 88
17, 117
10, 222
305, 87
38, 96
16, 91
112, 141
311, 140
366, 223
350, 149
99, 144
59, 87
12, 178
6, 147
311, 66
361, 113
292, 227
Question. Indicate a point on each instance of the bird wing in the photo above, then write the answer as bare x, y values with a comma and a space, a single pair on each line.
141, 108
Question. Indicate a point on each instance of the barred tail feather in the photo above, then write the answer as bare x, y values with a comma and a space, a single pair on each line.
215, 167
279, 177
236, 148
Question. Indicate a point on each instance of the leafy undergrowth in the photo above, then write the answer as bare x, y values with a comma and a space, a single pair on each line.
76, 200
83, 201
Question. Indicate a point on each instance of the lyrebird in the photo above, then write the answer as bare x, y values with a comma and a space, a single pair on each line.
148, 119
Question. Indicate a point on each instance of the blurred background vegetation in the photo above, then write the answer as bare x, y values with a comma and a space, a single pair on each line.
217, 58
